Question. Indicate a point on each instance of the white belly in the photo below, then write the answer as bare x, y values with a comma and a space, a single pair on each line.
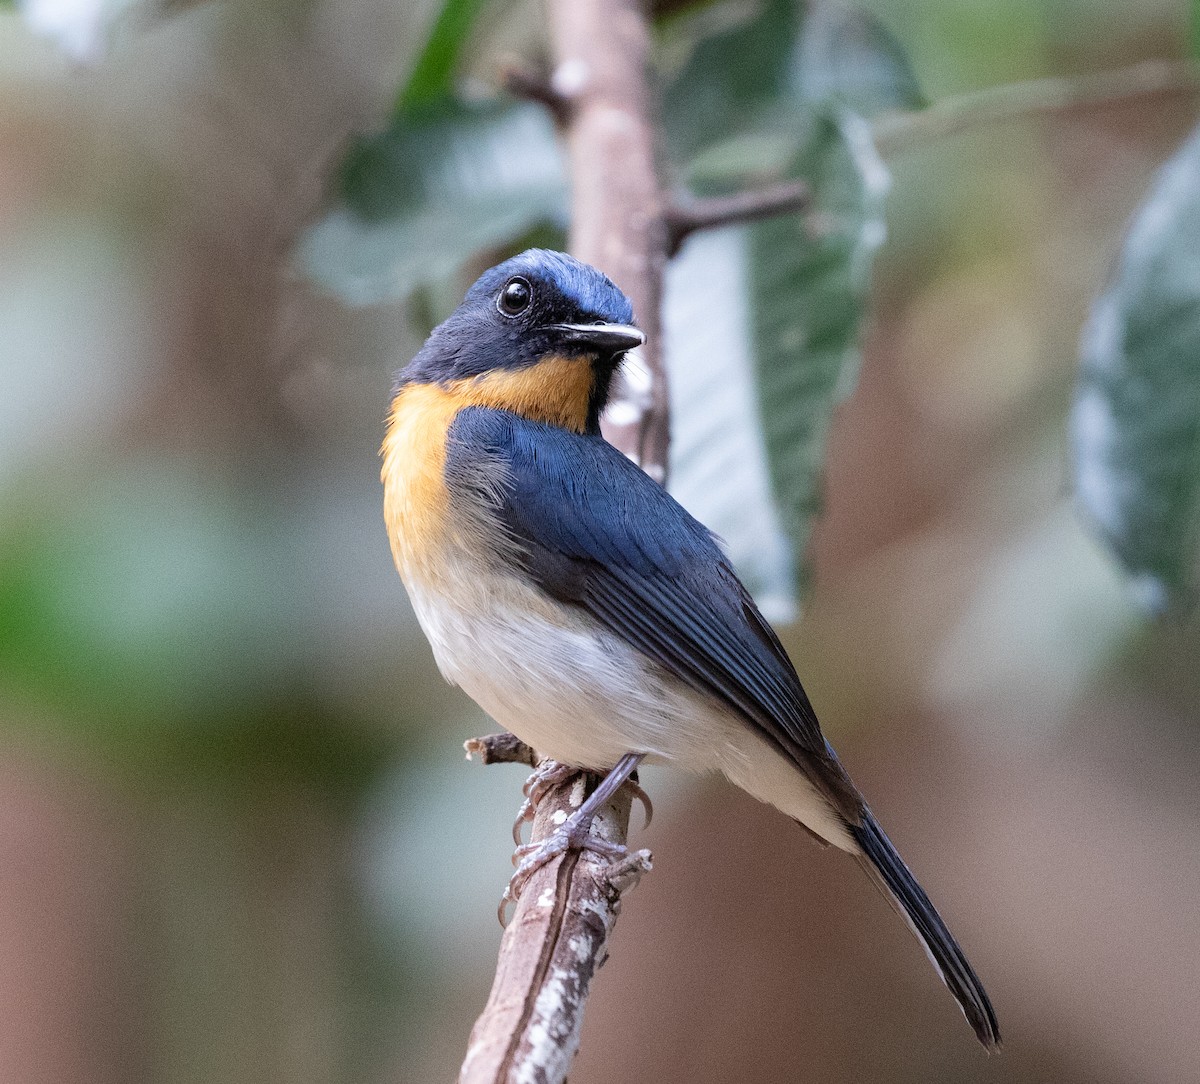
579, 694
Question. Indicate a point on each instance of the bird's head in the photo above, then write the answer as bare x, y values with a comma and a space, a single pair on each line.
540, 334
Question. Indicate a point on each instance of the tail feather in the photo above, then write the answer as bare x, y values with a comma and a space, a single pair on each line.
888, 870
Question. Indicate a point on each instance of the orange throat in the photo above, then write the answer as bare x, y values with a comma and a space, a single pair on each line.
417, 511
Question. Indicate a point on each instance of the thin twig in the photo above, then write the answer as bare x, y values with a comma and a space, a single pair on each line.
555, 941
535, 86
1015, 101
503, 748
685, 218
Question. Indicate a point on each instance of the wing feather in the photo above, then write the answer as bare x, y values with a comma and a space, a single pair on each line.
595, 532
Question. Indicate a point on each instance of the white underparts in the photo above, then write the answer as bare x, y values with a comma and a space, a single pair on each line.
578, 693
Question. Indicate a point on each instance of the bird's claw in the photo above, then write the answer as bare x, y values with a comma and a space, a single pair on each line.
550, 774
572, 835
641, 796
544, 778
575, 833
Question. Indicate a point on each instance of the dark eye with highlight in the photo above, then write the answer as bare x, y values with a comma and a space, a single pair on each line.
515, 297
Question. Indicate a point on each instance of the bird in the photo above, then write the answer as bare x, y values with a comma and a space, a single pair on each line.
578, 603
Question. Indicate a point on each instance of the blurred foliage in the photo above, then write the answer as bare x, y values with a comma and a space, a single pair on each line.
156, 612
1137, 412
151, 596
443, 181
752, 93
432, 77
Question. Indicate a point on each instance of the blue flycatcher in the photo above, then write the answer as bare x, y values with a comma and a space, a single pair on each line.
578, 603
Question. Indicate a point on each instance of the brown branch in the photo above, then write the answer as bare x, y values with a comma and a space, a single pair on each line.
1016, 101
684, 219
555, 941
535, 86
600, 92
601, 51
503, 748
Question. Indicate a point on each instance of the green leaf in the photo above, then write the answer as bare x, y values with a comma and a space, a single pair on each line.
729, 79
846, 54
176, 622
763, 326
809, 283
442, 181
1136, 417
755, 75
432, 77
779, 95
423, 196
719, 468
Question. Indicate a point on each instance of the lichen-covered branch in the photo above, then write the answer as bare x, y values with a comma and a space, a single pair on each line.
556, 939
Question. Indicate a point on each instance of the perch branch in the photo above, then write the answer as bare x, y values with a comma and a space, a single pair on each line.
1016, 101
555, 941
684, 219
618, 222
600, 93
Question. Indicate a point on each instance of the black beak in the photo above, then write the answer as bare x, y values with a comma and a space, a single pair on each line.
602, 338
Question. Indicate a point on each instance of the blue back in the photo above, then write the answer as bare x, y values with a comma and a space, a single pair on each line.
599, 534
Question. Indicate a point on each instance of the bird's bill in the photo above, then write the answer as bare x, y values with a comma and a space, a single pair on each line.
603, 338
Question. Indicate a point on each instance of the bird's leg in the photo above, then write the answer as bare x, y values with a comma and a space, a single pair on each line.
550, 774
575, 833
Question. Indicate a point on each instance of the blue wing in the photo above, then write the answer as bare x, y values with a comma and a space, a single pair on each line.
597, 533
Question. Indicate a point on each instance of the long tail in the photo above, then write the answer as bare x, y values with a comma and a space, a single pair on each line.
887, 869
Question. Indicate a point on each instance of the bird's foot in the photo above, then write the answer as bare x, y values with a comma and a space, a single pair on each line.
574, 834
545, 777
550, 774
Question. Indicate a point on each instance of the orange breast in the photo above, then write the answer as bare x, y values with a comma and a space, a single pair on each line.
416, 504
422, 525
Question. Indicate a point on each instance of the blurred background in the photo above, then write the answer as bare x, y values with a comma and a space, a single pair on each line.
238, 838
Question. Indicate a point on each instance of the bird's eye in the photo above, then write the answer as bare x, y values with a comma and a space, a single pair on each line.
515, 297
